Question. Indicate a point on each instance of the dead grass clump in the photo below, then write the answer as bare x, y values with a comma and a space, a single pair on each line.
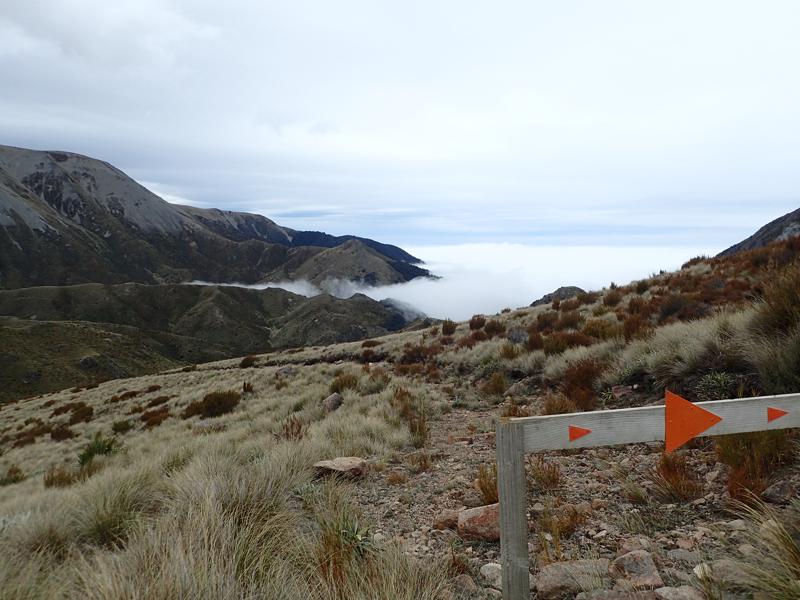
557, 404
487, 483
494, 327
247, 362
612, 297
557, 342
345, 381
247, 388
477, 322
396, 478
414, 413
496, 385
602, 329
545, 322
568, 320
752, 457
60, 477
448, 327
154, 418
121, 427
377, 381
673, 478
420, 462
61, 432
570, 305
546, 475
588, 298
509, 351
293, 428
635, 326
478, 336
578, 382
13, 475
512, 409
779, 309
212, 405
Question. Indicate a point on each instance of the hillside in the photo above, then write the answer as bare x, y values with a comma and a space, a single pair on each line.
68, 219
782, 228
202, 483
133, 329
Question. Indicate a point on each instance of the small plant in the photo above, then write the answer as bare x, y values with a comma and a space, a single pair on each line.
292, 428
752, 457
212, 405
81, 414
534, 341
247, 387
716, 386
247, 362
546, 475
59, 477
61, 432
13, 475
121, 427
420, 461
557, 404
154, 418
370, 343
345, 381
418, 426
673, 479
477, 322
377, 381
509, 351
487, 483
512, 409
396, 478
280, 383
496, 385
152, 388
99, 446
494, 327
569, 320
448, 327
578, 382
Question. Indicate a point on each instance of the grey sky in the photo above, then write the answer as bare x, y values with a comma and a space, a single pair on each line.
614, 122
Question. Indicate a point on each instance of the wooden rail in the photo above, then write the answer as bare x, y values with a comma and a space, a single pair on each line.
516, 437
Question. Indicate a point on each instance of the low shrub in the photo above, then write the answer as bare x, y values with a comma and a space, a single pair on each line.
673, 479
154, 418
494, 327
752, 457
247, 362
345, 381
509, 351
569, 320
370, 343
377, 381
247, 388
60, 477
448, 327
121, 427
152, 388
158, 401
546, 321
602, 329
780, 300
716, 386
81, 414
557, 404
535, 341
13, 475
496, 385
477, 322
61, 432
212, 405
612, 297
557, 342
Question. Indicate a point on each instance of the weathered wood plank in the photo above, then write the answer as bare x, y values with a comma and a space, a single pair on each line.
646, 424
512, 485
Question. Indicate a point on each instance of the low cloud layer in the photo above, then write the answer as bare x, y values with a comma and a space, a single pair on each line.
485, 278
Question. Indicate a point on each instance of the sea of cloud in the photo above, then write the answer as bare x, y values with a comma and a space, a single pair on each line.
485, 278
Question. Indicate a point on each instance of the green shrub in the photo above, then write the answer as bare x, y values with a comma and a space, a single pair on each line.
97, 447
716, 386
212, 405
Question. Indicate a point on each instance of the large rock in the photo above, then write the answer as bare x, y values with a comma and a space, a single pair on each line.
685, 592
332, 402
725, 571
557, 580
781, 492
562, 293
343, 466
480, 523
492, 574
615, 595
639, 569
447, 519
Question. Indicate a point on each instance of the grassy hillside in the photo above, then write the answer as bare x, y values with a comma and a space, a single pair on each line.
200, 483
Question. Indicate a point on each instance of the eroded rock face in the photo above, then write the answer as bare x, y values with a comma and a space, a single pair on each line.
567, 579
351, 467
562, 293
480, 523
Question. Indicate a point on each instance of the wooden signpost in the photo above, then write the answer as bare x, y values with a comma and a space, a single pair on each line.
677, 422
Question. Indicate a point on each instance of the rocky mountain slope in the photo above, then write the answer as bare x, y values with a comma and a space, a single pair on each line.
782, 228
55, 337
67, 219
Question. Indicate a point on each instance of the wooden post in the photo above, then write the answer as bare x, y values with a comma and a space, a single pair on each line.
512, 486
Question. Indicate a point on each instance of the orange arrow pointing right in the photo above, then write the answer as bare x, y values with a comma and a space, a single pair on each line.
775, 413
684, 421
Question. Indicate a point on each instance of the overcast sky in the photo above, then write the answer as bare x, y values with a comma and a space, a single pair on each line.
427, 122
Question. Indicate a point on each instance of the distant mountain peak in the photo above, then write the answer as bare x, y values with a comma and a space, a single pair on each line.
782, 228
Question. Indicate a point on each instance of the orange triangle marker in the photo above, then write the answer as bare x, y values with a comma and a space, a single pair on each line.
576, 433
775, 413
684, 421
